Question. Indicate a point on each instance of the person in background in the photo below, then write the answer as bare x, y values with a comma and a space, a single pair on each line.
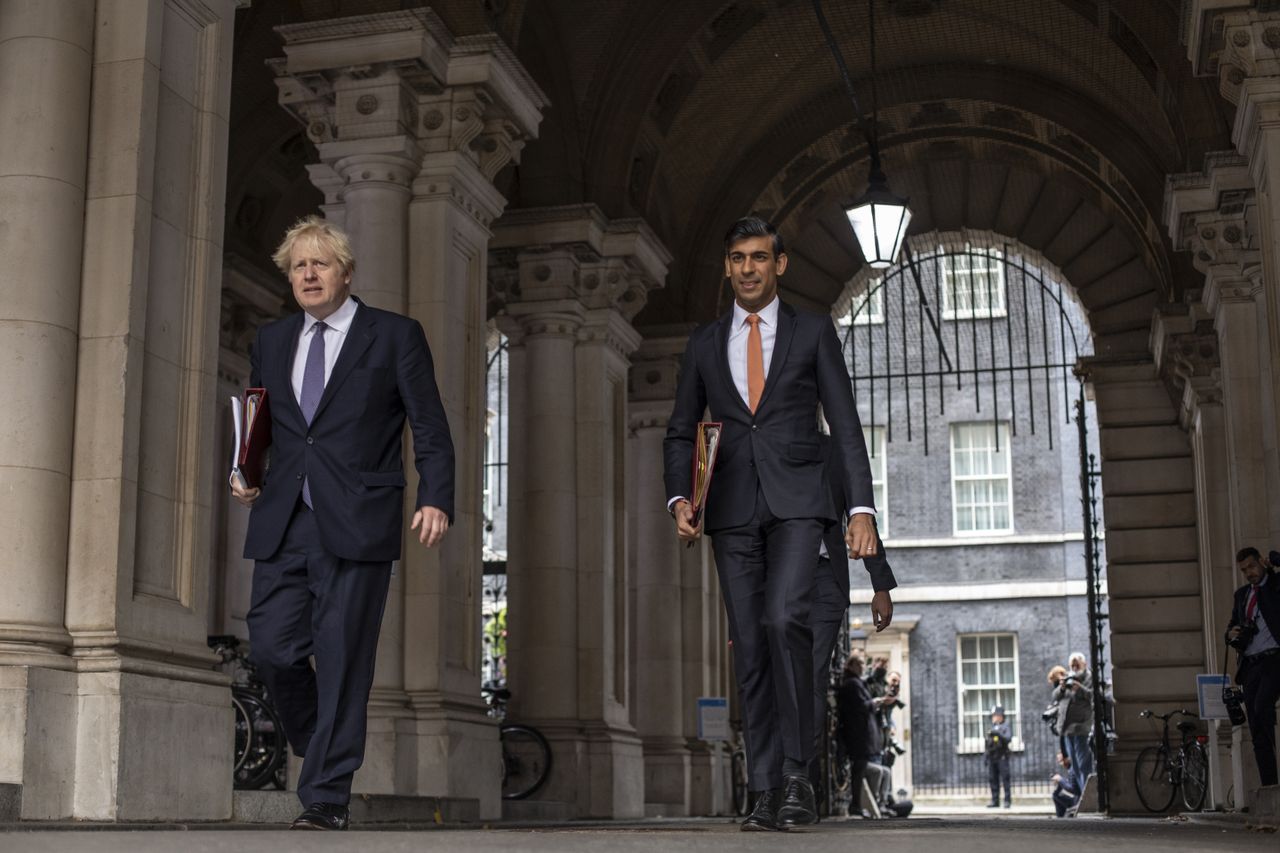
996, 753
1074, 696
1253, 631
1065, 796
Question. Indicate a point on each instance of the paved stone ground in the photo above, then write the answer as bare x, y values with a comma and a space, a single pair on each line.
1007, 834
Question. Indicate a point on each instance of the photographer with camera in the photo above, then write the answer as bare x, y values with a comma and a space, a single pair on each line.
1252, 632
1074, 695
996, 753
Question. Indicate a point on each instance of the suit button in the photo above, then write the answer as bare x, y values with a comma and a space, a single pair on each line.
310, 440
299, 476
755, 428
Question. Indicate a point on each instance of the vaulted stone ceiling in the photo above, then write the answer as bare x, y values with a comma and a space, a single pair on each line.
1053, 122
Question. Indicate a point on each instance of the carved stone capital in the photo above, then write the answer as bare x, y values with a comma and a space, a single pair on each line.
524, 322
404, 74
1185, 345
1214, 213
575, 252
655, 370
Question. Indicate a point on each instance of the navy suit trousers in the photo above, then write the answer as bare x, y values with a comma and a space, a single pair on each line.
307, 602
766, 569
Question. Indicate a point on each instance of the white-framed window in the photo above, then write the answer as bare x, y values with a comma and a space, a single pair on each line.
868, 307
972, 283
981, 485
987, 676
874, 436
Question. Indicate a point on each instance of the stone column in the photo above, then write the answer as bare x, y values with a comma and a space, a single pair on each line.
412, 126
113, 194
1153, 571
579, 280
662, 704
45, 70
1241, 46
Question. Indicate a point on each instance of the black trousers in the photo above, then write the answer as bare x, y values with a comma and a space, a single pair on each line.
1260, 678
766, 571
826, 616
307, 602
998, 772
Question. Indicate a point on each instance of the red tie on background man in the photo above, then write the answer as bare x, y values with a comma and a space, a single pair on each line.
1251, 607
755, 362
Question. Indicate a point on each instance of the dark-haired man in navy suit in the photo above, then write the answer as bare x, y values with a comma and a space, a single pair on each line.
342, 380
762, 370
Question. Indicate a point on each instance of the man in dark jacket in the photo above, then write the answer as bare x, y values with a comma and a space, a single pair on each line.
996, 753
1253, 630
858, 731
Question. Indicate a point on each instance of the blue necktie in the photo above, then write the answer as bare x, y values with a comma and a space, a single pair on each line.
312, 388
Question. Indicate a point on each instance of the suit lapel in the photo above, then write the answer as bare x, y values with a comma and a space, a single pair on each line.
722, 359
359, 337
781, 344
282, 365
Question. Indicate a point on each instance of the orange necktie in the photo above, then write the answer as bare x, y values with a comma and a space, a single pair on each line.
755, 362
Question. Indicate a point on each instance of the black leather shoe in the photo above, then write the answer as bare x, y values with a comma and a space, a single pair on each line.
324, 816
799, 807
764, 817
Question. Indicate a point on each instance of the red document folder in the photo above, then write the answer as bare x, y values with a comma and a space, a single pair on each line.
251, 419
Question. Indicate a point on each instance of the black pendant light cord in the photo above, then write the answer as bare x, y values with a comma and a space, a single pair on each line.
869, 131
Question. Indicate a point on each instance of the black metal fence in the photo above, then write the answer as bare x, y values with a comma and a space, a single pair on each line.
939, 769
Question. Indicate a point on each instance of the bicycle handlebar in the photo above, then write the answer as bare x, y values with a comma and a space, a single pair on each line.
1166, 717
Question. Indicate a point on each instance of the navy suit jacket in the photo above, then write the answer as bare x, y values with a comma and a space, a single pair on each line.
384, 376
777, 448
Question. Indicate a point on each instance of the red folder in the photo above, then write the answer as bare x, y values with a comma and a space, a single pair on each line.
251, 419
706, 447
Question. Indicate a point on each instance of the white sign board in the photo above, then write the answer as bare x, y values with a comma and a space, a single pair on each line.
713, 718
1209, 692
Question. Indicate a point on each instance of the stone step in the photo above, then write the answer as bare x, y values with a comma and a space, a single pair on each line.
283, 807
1266, 806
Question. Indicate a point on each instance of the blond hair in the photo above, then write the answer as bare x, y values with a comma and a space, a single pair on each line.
325, 234
1057, 673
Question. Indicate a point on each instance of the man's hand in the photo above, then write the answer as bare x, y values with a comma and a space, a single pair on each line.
246, 497
860, 536
881, 610
682, 511
1233, 633
434, 525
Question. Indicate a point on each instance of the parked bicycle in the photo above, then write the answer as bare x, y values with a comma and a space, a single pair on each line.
526, 755
1163, 769
260, 746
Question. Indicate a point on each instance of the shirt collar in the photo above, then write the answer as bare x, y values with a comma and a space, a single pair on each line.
338, 321
768, 314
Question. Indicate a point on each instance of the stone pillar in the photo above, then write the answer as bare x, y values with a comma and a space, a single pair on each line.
1214, 347
578, 281
662, 704
1153, 571
45, 68
1241, 46
412, 125
113, 192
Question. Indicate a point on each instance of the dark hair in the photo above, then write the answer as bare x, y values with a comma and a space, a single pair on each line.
753, 226
1246, 553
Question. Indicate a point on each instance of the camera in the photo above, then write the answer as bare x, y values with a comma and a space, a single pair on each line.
1233, 698
1247, 632
1050, 716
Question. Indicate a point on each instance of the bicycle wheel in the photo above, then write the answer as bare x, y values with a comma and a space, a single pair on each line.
244, 734
526, 760
738, 778
1195, 776
267, 754
1153, 779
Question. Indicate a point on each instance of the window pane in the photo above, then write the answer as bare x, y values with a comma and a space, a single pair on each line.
969, 647
969, 673
1006, 672
987, 646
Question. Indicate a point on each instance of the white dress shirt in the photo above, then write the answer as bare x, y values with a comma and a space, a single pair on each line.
339, 323
1265, 639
